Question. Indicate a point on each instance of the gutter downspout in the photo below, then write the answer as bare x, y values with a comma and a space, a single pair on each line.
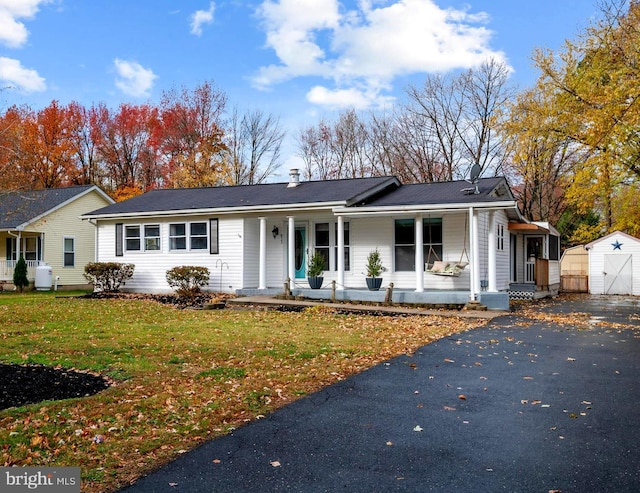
95, 234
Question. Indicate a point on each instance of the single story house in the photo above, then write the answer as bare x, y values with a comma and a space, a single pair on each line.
472, 242
45, 228
614, 264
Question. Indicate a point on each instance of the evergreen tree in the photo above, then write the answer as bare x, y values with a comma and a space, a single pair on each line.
20, 280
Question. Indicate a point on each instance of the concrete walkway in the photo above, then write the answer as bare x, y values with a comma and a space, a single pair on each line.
519, 405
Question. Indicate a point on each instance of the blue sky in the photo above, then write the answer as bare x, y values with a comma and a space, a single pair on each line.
297, 59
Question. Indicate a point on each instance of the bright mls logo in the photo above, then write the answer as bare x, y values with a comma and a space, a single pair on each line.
49, 479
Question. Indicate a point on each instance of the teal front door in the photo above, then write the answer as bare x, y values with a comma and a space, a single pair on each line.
301, 252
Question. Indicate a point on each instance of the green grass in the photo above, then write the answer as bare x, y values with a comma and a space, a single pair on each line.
181, 376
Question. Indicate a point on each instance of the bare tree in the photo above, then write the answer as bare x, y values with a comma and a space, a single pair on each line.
314, 147
254, 147
486, 93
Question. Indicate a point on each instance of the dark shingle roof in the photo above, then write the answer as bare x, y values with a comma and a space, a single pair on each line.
19, 207
271, 194
451, 192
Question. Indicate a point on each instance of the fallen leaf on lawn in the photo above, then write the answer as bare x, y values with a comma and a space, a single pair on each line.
275, 463
418, 428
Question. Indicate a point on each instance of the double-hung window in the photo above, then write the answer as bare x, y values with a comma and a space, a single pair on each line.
69, 251
198, 239
132, 238
178, 236
500, 237
151, 237
188, 236
323, 244
405, 242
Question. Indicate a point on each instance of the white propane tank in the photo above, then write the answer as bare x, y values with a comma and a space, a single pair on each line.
44, 278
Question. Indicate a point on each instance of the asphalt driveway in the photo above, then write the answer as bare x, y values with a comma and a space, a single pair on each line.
521, 405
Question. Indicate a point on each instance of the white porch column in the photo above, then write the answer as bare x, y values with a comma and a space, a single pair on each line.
262, 276
340, 241
291, 255
473, 246
419, 229
492, 247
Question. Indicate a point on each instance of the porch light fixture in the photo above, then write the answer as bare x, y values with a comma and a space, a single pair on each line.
275, 231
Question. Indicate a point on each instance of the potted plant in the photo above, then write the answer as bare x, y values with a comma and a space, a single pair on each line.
374, 270
315, 268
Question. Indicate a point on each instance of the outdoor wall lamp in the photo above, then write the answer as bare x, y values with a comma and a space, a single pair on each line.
275, 231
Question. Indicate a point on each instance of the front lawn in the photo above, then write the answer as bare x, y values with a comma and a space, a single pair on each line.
181, 376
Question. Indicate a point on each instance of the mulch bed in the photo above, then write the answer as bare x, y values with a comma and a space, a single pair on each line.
30, 384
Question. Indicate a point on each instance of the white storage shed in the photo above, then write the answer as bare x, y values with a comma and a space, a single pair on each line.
614, 264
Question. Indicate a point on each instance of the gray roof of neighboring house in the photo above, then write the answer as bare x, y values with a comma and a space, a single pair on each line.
269, 194
20, 207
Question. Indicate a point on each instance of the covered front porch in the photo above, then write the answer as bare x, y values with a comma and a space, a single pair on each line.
16, 245
7, 268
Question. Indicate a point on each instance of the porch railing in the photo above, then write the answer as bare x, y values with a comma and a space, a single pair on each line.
7, 267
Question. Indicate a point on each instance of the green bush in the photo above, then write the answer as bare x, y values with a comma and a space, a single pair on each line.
108, 276
315, 267
20, 279
187, 280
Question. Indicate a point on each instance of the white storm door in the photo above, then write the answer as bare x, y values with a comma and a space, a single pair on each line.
617, 274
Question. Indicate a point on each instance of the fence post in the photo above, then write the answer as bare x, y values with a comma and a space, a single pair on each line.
388, 297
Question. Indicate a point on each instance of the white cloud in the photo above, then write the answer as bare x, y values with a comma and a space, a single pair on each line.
351, 97
364, 49
133, 79
13, 33
201, 17
13, 73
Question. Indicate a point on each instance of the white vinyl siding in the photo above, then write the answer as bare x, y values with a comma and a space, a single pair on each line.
150, 269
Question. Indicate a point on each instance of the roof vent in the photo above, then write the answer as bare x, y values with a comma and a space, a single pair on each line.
294, 178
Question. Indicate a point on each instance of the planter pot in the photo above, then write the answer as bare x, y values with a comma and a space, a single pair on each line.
374, 283
315, 282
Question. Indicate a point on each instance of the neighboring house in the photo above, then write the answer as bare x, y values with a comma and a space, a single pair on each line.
256, 238
614, 264
45, 227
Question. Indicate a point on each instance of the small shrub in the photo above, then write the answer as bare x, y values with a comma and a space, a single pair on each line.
187, 280
20, 279
315, 267
374, 264
108, 276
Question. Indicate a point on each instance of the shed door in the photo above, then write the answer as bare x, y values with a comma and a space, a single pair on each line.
617, 274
